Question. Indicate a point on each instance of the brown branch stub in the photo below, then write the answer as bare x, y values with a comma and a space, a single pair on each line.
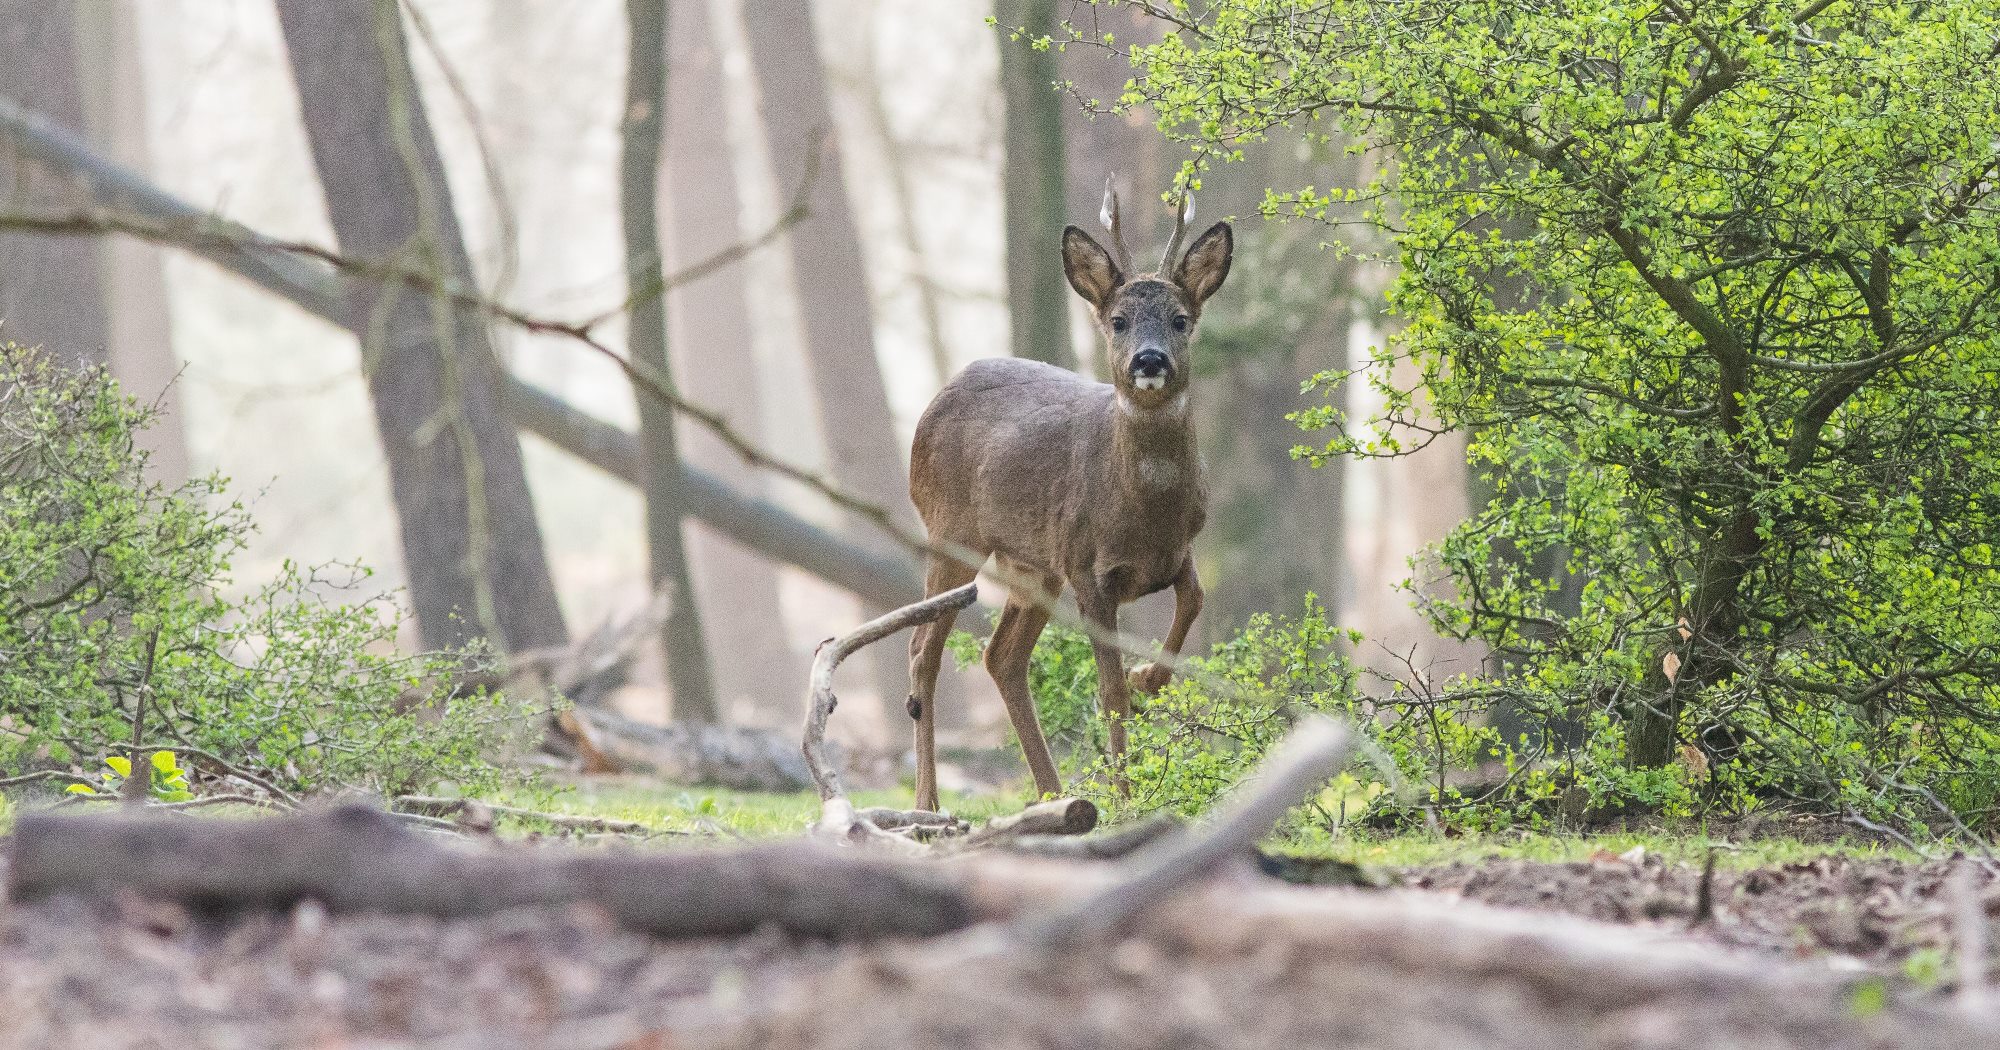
1110, 845
820, 700
1062, 816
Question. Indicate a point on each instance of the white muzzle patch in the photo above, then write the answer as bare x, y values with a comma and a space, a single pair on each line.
1149, 382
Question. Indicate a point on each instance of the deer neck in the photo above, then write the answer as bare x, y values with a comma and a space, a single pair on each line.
1153, 449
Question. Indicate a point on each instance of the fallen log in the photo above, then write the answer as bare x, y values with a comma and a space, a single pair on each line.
356, 859
738, 757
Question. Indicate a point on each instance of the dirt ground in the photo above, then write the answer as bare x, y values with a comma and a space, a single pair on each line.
1248, 964
1860, 914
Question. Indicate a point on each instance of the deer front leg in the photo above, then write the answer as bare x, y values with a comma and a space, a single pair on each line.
1112, 694
1151, 677
1007, 657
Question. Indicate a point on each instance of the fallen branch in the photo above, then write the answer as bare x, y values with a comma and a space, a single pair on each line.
1111, 845
254, 801
454, 807
820, 699
738, 757
919, 820
356, 859
1062, 816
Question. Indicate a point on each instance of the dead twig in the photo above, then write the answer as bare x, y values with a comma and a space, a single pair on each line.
46, 774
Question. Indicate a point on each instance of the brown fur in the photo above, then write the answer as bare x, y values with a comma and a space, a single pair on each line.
1069, 482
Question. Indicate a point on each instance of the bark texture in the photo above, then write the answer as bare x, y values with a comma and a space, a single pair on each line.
693, 688
471, 546
712, 333
1032, 177
831, 283
50, 294
139, 327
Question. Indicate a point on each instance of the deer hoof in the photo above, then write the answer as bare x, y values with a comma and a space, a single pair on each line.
1149, 677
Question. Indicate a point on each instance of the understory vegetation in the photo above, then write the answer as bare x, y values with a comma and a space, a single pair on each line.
1711, 290
119, 652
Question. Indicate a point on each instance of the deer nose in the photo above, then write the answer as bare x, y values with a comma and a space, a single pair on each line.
1150, 369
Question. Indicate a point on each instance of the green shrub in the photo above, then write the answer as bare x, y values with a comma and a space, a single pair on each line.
1710, 293
1062, 677
1209, 728
111, 595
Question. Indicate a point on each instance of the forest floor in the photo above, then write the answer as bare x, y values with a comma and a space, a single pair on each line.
1249, 963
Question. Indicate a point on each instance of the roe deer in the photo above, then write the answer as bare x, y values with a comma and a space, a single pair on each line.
1069, 481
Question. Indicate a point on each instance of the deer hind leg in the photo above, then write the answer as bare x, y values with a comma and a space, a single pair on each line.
1007, 657
926, 656
1151, 677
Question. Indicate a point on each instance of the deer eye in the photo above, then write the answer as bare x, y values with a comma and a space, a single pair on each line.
1181, 323
1118, 324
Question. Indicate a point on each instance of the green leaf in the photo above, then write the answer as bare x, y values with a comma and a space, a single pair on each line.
164, 761
120, 764
80, 789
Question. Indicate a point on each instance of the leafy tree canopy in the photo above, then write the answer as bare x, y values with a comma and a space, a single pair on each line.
1714, 288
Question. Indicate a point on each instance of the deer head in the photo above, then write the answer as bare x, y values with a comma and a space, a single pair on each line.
1147, 320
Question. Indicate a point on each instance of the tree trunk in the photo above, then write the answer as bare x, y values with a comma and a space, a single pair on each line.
639, 191
712, 335
859, 430
50, 295
139, 326
1037, 295
1700, 658
471, 546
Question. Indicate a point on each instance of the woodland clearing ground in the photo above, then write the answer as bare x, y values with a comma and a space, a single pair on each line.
1867, 920
1248, 964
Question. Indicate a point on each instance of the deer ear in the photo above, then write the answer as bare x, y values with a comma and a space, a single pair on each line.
1089, 267
1206, 263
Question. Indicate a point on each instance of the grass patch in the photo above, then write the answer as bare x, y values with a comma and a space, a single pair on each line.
711, 812
751, 814
1691, 845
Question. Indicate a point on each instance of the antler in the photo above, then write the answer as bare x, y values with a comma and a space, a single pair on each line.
1182, 217
1108, 215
